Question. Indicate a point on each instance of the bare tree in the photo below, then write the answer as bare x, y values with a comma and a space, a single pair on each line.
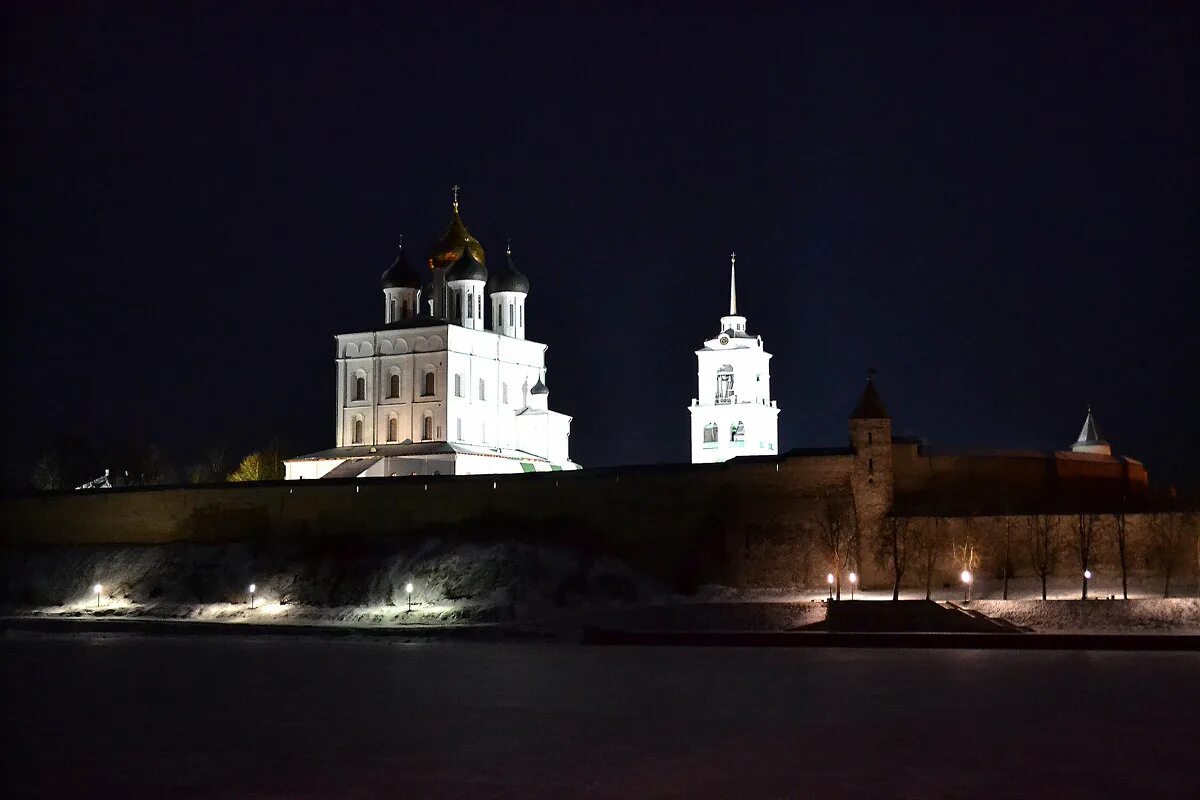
1085, 542
835, 528
1008, 526
1042, 532
1121, 539
1167, 534
928, 545
892, 545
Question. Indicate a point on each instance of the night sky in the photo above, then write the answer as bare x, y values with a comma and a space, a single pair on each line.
993, 205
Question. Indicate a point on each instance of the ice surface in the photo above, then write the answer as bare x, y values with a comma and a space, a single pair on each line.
128, 716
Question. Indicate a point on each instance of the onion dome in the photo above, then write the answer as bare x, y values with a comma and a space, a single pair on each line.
870, 405
401, 274
449, 248
508, 278
539, 387
467, 268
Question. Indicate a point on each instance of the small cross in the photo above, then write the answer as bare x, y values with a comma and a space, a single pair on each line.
455, 187
733, 258
508, 248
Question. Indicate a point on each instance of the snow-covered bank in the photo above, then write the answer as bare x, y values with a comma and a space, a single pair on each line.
1174, 615
360, 583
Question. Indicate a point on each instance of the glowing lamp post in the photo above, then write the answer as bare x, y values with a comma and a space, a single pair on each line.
253, 589
967, 577
829, 580
408, 587
96, 591
853, 583
1087, 574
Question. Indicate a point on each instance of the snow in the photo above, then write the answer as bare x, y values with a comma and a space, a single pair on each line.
553, 588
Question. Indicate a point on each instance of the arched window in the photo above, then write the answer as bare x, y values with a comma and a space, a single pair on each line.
391, 311
511, 318
360, 388
470, 306
710, 433
393, 429
358, 431
479, 305
458, 385
427, 427
428, 389
725, 384
482, 390
394, 385
499, 312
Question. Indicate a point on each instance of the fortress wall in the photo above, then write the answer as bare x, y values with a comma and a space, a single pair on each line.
671, 521
750, 522
1013, 482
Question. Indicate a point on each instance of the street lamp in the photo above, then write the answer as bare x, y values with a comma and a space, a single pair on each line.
1087, 574
853, 583
829, 580
253, 589
408, 587
96, 591
966, 579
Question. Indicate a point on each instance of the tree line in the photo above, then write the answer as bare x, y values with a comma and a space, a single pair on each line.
74, 461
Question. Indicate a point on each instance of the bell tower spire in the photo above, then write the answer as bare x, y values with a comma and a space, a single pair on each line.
733, 284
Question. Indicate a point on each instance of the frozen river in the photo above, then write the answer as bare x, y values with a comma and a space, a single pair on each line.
234, 717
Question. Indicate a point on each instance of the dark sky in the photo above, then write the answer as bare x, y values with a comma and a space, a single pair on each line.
994, 205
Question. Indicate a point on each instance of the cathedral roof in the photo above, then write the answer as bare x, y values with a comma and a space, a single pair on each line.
870, 405
468, 267
449, 248
1090, 433
508, 278
401, 274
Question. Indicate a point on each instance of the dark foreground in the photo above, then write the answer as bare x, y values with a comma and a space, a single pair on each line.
105, 715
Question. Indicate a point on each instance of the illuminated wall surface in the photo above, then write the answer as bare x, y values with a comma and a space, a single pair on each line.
746, 522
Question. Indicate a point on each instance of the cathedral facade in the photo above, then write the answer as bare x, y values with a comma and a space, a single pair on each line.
449, 384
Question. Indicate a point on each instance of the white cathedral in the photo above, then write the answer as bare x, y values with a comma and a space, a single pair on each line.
733, 414
436, 390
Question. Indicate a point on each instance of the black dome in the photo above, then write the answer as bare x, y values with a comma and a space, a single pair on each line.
467, 268
401, 274
508, 278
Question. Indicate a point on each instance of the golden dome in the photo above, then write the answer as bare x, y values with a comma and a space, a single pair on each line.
449, 248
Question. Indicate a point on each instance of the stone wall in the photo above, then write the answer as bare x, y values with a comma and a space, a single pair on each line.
749, 522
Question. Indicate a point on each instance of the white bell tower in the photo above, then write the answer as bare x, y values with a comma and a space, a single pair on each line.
733, 414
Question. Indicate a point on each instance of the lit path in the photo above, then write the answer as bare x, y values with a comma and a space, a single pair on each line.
132, 716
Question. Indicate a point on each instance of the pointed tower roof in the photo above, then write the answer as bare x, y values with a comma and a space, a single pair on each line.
449, 248
732, 284
401, 274
870, 405
508, 278
1090, 434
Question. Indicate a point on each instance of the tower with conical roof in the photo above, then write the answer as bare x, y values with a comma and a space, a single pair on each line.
1090, 440
733, 413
